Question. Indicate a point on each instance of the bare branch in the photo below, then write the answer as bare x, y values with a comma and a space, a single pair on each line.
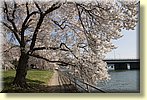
36, 4
60, 25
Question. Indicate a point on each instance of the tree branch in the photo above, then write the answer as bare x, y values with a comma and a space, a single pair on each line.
53, 7
10, 48
42, 15
16, 35
15, 6
68, 49
25, 25
36, 4
79, 13
52, 48
58, 62
13, 28
8, 18
60, 25
55, 48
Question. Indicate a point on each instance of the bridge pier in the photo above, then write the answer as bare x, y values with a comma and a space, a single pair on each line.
111, 66
128, 66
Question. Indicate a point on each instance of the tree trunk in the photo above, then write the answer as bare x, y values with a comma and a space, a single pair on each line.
21, 71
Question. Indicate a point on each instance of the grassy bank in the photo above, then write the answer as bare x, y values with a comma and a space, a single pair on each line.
37, 80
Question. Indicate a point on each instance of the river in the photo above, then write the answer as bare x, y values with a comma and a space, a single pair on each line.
122, 81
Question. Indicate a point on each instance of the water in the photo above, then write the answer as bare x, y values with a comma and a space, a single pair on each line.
123, 81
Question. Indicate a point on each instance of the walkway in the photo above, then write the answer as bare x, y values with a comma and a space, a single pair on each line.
60, 85
54, 80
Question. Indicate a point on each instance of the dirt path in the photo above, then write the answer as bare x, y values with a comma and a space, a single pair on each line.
54, 80
57, 84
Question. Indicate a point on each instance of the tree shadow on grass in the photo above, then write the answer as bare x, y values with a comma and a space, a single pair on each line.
36, 86
9, 88
9, 80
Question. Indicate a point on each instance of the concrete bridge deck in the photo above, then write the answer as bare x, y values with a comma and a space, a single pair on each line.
117, 64
121, 60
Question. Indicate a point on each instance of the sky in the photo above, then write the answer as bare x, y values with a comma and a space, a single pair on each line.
127, 46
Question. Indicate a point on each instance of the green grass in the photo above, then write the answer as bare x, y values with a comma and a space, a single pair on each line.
8, 76
35, 78
42, 76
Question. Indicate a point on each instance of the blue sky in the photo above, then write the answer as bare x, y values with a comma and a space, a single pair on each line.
127, 46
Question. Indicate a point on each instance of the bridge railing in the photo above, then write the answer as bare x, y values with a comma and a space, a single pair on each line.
80, 85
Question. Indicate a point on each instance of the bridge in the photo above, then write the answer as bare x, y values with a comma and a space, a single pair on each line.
123, 64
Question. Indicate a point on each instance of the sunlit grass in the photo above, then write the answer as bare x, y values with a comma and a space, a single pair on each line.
42, 76
35, 78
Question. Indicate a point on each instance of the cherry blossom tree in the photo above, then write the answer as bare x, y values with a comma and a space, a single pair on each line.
70, 33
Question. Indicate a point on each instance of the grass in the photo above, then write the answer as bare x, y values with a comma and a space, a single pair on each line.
37, 79
43, 76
